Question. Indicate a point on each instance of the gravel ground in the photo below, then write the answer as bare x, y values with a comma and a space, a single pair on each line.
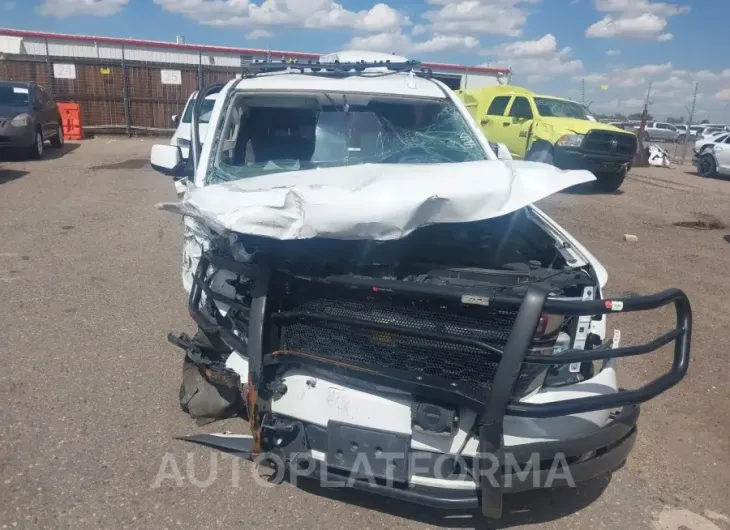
90, 283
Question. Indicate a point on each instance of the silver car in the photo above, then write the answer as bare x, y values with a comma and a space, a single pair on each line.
28, 117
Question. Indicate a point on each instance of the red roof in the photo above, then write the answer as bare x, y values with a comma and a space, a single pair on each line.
220, 49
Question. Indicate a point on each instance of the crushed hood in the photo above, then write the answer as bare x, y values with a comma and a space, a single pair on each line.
372, 201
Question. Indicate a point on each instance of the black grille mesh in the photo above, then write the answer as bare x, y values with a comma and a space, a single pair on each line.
467, 368
603, 142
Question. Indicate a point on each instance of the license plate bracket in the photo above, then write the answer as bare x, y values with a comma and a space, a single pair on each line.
366, 453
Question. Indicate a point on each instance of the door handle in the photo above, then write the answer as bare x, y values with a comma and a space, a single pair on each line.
484, 121
506, 123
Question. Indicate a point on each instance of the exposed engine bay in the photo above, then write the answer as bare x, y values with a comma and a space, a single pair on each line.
503, 255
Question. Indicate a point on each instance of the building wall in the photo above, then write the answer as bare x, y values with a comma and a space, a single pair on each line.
149, 54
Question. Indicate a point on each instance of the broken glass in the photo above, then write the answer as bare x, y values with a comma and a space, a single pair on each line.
271, 140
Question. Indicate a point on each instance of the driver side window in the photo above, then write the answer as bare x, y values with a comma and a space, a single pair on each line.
521, 108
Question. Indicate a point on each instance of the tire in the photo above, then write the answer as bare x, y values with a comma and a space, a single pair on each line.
707, 165
540, 152
36, 150
57, 141
609, 182
680, 139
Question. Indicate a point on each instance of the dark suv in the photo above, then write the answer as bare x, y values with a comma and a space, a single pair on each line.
28, 117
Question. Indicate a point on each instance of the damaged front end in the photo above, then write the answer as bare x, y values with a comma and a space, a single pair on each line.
418, 368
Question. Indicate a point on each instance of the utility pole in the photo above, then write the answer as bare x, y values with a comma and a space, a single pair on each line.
640, 160
583, 91
689, 122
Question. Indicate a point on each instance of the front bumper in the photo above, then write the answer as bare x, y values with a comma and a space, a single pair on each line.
575, 159
587, 455
16, 137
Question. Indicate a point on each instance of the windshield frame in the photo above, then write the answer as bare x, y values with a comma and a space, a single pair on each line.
229, 104
587, 115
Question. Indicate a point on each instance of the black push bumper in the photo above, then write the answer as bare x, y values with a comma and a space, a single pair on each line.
596, 453
575, 159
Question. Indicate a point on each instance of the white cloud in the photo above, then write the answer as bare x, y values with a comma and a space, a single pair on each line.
382, 42
71, 8
312, 14
613, 53
539, 58
707, 75
478, 17
442, 43
546, 45
259, 34
723, 95
640, 6
636, 19
399, 43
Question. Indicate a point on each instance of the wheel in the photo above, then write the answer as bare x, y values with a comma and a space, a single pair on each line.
609, 182
707, 165
57, 140
680, 139
540, 152
36, 150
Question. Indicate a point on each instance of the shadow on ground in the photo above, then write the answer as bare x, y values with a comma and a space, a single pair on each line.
588, 189
534, 507
8, 175
49, 153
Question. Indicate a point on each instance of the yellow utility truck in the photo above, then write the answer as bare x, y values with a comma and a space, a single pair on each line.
553, 130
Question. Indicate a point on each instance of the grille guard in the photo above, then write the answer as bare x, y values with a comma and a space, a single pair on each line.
511, 357
499, 401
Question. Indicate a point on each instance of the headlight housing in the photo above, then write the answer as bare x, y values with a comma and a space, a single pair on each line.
571, 140
21, 120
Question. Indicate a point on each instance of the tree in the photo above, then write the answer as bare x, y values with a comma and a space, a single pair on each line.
675, 121
637, 116
704, 121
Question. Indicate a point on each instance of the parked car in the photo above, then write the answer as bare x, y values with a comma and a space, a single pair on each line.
660, 131
714, 159
181, 137
377, 296
28, 118
705, 143
552, 130
709, 132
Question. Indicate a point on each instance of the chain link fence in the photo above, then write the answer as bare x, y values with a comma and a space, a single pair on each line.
117, 96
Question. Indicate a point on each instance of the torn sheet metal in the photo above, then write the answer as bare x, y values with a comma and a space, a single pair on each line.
372, 201
658, 156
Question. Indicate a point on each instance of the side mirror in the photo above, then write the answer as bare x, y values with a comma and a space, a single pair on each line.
168, 160
501, 151
175, 120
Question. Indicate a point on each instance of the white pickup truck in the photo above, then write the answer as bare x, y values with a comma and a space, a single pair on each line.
377, 296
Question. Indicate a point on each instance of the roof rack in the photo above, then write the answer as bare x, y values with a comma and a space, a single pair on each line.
253, 68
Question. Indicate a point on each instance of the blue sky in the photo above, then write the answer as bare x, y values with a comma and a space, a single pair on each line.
552, 46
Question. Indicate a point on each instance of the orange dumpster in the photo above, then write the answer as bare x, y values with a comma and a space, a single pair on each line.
71, 121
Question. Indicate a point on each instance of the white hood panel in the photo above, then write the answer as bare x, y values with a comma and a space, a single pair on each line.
372, 201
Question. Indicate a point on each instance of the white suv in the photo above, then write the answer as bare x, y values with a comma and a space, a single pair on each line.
376, 293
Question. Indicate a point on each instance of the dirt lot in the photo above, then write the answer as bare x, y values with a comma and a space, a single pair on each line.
90, 286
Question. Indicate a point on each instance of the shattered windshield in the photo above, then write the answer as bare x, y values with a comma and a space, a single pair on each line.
560, 108
264, 135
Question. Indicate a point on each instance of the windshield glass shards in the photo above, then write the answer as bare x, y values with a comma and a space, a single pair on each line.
270, 134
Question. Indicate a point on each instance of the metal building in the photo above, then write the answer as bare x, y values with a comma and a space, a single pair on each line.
133, 84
